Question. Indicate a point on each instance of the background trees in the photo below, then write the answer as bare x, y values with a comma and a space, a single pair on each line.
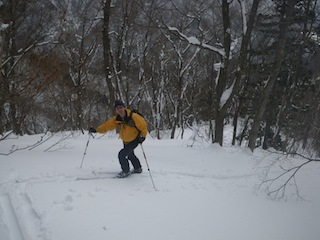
250, 63
28, 32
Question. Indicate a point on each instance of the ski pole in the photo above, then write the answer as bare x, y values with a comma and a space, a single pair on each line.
148, 167
85, 151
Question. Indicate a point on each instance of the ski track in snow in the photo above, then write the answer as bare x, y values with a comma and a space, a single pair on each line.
212, 176
41, 199
111, 175
19, 219
9, 228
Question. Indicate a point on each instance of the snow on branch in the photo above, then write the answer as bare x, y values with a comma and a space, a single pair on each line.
226, 95
243, 14
3, 26
197, 42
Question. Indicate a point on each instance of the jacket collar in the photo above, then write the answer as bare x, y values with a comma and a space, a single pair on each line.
126, 117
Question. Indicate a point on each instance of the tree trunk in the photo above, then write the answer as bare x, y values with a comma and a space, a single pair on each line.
222, 109
222, 82
235, 125
106, 50
218, 133
279, 54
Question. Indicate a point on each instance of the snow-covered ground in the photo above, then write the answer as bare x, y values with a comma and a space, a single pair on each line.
202, 192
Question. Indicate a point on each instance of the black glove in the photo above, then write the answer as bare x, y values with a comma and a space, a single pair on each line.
92, 130
141, 139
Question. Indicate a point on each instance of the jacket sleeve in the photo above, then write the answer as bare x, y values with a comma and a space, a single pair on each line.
140, 124
107, 126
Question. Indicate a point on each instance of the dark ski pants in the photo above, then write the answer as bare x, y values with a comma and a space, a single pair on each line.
127, 154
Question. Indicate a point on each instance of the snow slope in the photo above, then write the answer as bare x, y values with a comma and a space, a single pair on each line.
205, 192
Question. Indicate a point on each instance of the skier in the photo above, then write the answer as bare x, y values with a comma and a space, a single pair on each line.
133, 130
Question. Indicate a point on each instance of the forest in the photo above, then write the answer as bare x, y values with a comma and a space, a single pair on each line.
252, 64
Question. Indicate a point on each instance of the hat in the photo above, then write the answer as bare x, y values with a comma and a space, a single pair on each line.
118, 103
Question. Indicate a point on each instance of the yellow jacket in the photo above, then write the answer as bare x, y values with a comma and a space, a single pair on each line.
128, 131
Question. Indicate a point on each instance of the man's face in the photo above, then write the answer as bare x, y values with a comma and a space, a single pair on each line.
121, 111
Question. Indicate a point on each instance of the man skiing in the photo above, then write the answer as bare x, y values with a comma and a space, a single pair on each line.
133, 130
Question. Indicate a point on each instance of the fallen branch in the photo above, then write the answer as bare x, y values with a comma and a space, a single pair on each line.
278, 190
60, 140
15, 148
5, 136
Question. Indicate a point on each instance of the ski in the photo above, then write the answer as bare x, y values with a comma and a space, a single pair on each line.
91, 178
96, 175
121, 175
95, 172
103, 175
115, 175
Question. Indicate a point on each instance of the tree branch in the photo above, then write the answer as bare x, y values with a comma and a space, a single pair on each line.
276, 190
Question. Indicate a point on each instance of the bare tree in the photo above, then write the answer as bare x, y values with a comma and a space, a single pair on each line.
106, 48
122, 44
151, 65
227, 85
79, 44
26, 32
287, 18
